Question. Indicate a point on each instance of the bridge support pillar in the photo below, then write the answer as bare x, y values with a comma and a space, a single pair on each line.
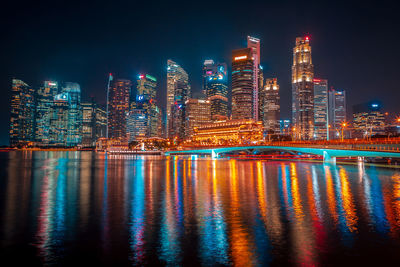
213, 154
328, 158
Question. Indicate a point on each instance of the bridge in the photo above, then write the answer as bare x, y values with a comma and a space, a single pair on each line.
328, 154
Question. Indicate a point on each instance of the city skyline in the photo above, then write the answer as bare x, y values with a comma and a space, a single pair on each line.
66, 60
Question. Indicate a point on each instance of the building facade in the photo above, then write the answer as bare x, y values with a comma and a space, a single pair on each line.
118, 107
178, 91
242, 84
198, 113
94, 123
59, 121
254, 44
320, 109
145, 107
44, 102
303, 89
271, 107
74, 120
22, 117
215, 87
336, 111
368, 120
229, 132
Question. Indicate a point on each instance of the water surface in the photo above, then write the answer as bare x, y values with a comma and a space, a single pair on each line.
65, 208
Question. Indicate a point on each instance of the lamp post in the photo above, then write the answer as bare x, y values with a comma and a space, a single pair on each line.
344, 124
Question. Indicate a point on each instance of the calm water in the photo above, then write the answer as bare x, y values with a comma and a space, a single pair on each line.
79, 208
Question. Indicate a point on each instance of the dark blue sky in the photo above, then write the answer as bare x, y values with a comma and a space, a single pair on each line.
355, 43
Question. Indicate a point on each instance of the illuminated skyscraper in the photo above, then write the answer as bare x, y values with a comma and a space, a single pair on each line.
208, 71
178, 91
320, 108
261, 92
94, 123
303, 89
22, 116
254, 44
336, 110
45, 101
118, 107
242, 84
144, 116
198, 113
271, 106
74, 122
215, 86
59, 121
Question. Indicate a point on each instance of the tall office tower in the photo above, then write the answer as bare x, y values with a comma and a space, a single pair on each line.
261, 93
215, 86
136, 124
101, 122
336, 110
242, 84
254, 45
44, 102
208, 71
178, 91
145, 100
321, 109
88, 124
59, 121
368, 119
22, 116
198, 113
303, 89
271, 106
118, 107
94, 123
74, 127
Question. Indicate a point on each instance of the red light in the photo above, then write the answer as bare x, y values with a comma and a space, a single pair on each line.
307, 38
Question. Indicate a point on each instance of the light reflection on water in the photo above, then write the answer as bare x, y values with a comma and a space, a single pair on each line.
62, 207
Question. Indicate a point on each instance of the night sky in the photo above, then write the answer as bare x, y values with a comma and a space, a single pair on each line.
355, 45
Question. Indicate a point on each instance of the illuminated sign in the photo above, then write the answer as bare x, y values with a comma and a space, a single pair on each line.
209, 72
374, 105
317, 80
307, 38
141, 76
51, 84
140, 97
240, 57
151, 78
220, 77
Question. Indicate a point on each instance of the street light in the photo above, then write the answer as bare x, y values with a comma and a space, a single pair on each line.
344, 124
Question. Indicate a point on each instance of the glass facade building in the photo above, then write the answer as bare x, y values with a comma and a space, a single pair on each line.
336, 111
94, 123
74, 121
22, 117
320, 109
215, 87
178, 91
44, 103
242, 84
